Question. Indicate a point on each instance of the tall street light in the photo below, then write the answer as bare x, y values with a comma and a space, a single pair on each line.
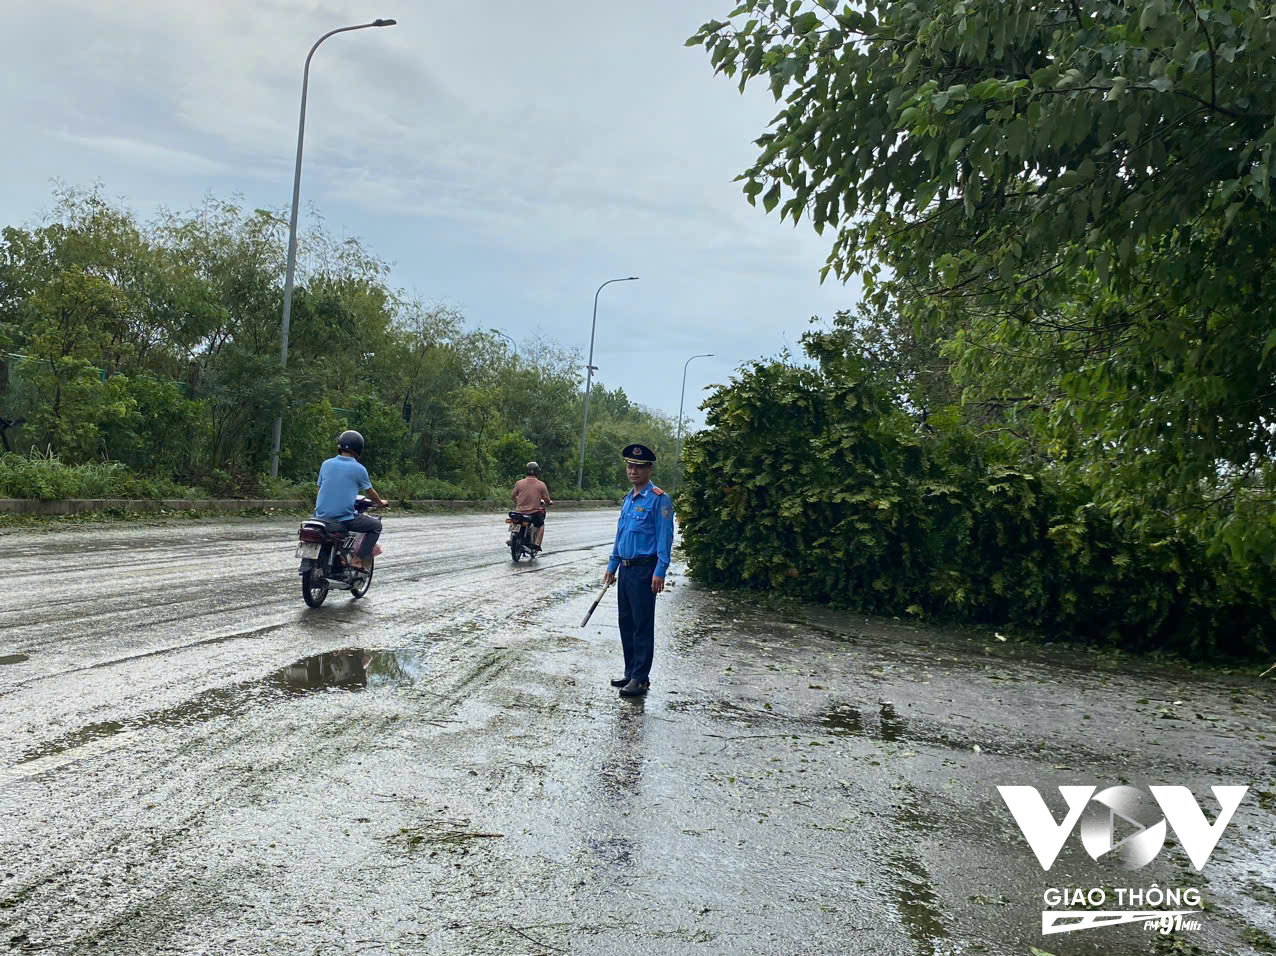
589, 375
292, 228
512, 343
678, 464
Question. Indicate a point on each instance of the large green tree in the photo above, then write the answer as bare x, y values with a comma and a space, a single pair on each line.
1079, 193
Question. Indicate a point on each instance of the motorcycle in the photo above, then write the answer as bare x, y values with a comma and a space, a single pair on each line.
520, 539
325, 549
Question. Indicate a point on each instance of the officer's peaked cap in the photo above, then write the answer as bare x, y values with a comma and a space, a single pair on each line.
636, 454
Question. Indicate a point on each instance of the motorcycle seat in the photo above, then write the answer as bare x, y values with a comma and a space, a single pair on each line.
330, 528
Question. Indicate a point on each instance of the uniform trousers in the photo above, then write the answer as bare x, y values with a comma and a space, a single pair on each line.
637, 619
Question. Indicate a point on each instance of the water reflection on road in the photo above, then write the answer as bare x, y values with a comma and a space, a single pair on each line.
354, 668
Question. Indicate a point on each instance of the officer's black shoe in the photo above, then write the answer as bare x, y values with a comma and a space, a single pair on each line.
634, 689
619, 681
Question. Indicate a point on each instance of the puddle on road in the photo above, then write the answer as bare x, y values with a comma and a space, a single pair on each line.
620, 780
912, 818
831, 633
335, 669
915, 899
349, 668
352, 668
620, 773
849, 720
918, 906
844, 719
14, 658
841, 719
890, 723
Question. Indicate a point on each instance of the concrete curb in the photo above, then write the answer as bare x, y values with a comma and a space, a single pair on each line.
71, 506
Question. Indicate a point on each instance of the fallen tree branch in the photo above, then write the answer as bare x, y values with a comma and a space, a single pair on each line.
538, 942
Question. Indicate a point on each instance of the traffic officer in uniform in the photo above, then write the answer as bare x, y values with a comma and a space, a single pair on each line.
641, 554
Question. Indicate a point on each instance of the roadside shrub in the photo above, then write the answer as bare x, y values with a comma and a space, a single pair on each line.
132, 485
278, 489
218, 483
224, 483
815, 484
401, 487
46, 477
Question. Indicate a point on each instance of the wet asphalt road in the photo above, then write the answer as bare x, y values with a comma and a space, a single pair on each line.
192, 761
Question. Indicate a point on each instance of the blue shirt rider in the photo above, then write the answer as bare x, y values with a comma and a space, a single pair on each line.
340, 481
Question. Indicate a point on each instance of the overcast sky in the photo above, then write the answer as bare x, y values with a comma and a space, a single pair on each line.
506, 157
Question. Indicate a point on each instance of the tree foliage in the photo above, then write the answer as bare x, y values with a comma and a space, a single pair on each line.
1076, 197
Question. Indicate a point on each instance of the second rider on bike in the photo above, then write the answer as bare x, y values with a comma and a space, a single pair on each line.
531, 497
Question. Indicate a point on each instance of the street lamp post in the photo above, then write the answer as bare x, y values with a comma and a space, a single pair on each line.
678, 463
512, 343
292, 228
589, 375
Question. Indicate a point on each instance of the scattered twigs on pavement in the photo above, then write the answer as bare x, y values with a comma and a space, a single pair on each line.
489, 929
538, 942
441, 832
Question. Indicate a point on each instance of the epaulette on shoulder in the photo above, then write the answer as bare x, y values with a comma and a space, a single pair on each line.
657, 489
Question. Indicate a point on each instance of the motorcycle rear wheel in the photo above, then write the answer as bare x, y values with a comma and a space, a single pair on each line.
361, 585
312, 593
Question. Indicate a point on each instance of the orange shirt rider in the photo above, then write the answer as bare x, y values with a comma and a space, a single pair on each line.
528, 495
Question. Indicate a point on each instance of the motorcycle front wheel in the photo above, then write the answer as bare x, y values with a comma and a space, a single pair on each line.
313, 594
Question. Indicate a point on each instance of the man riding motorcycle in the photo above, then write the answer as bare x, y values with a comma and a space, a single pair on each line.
340, 481
531, 497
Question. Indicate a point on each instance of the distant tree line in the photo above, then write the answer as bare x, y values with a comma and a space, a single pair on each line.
155, 345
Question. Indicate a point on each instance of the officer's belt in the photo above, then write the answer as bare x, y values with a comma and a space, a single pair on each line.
642, 561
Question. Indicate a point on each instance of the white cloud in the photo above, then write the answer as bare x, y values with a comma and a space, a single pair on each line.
506, 156
149, 155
